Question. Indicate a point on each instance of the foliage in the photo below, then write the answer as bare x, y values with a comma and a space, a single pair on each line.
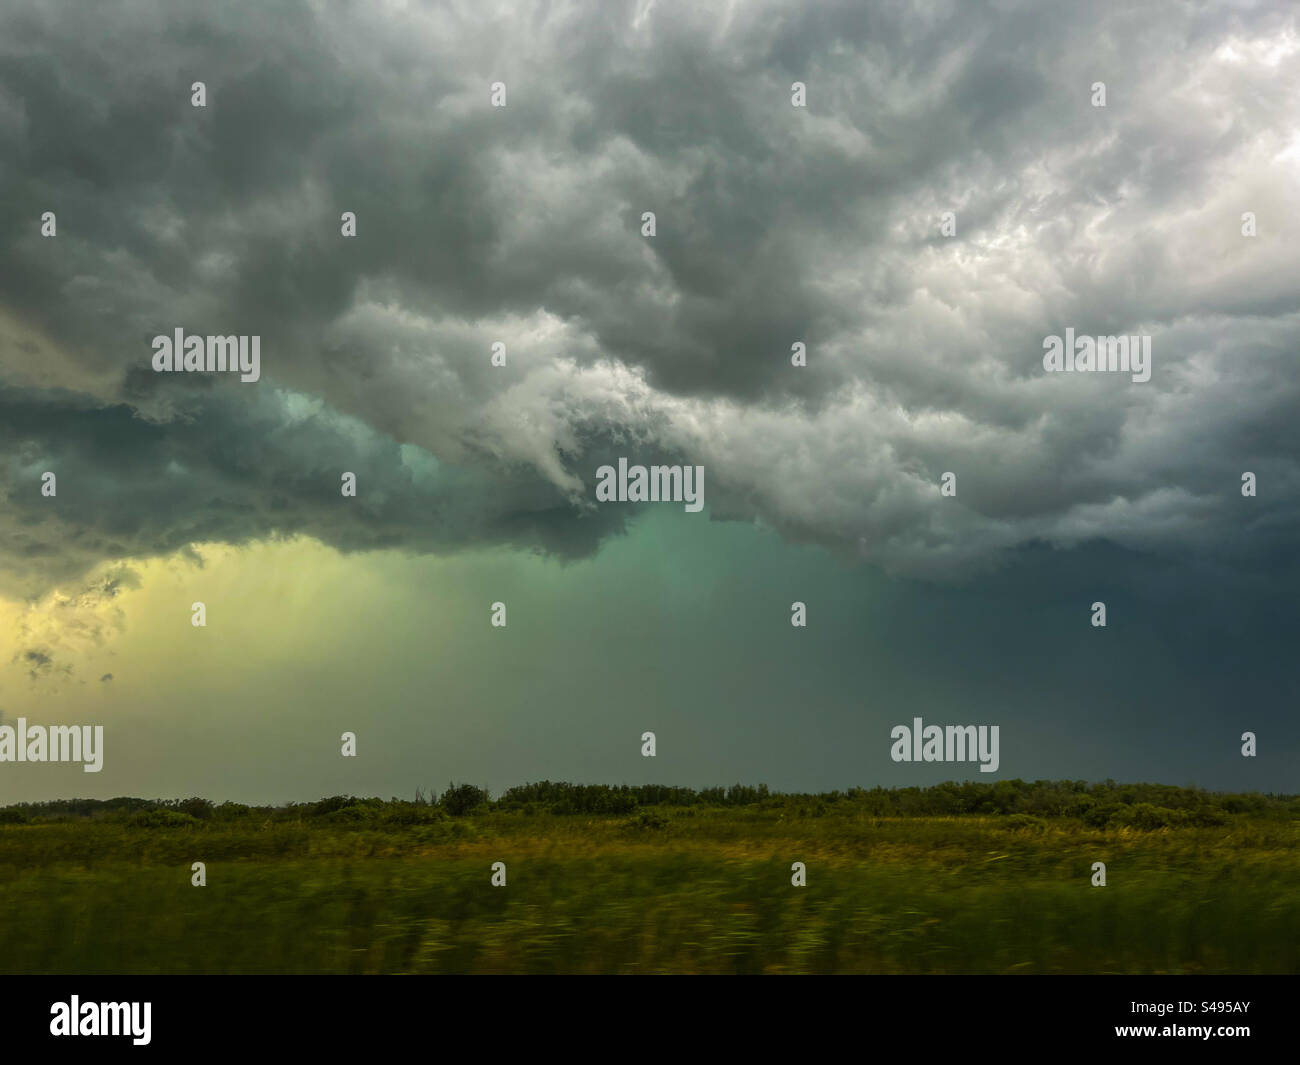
460, 799
1146, 807
350, 885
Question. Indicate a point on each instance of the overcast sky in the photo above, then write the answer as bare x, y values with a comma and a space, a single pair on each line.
775, 224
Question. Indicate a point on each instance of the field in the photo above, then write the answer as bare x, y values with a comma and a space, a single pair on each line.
370, 887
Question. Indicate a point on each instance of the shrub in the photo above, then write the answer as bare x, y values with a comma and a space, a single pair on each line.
351, 814
1148, 818
411, 814
162, 819
331, 805
197, 808
648, 821
460, 799
1106, 813
337, 803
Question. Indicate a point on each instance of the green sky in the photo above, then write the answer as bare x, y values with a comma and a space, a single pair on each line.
681, 627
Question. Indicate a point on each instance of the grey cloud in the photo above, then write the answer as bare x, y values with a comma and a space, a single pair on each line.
230, 468
775, 225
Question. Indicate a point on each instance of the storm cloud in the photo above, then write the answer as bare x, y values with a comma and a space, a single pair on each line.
775, 224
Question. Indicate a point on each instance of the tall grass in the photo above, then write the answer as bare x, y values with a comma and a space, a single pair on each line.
703, 890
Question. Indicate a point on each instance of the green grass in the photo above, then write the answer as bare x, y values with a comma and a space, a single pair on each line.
708, 892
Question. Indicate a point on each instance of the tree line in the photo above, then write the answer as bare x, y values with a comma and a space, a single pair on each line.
1097, 804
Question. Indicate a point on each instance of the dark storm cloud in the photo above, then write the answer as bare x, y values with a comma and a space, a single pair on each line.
775, 224
236, 466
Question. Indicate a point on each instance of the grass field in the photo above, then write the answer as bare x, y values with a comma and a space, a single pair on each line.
693, 889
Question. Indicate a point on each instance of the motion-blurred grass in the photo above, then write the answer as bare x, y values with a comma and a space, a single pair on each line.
673, 891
